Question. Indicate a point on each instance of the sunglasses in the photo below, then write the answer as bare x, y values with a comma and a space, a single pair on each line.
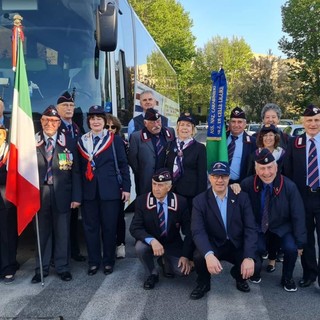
112, 127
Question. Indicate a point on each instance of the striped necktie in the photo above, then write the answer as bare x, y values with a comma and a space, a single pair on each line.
265, 212
231, 148
49, 155
95, 141
178, 166
162, 222
313, 169
159, 146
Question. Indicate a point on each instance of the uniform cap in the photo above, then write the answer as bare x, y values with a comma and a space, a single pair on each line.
152, 114
186, 116
311, 111
264, 157
96, 110
237, 113
269, 128
162, 175
51, 111
219, 168
65, 97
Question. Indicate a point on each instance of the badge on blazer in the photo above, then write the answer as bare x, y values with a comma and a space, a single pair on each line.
65, 160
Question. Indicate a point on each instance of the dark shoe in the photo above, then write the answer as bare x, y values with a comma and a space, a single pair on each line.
289, 285
166, 274
78, 257
151, 281
280, 257
107, 270
65, 276
271, 268
242, 286
199, 291
8, 279
305, 283
255, 279
265, 255
92, 270
37, 278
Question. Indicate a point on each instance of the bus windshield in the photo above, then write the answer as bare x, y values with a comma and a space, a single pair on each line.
59, 51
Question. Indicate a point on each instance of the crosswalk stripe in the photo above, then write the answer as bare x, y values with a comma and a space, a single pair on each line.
119, 294
15, 296
224, 301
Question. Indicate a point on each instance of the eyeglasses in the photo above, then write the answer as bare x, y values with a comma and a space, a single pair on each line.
46, 121
112, 127
222, 176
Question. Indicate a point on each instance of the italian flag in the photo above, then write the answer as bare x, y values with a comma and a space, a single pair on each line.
22, 178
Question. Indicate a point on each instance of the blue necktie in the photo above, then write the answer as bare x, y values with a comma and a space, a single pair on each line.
159, 146
95, 141
162, 222
313, 169
179, 166
265, 212
49, 155
231, 148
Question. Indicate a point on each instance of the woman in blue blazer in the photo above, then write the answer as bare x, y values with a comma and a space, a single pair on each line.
102, 189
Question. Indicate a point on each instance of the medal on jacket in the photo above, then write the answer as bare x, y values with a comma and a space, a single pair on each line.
65, 160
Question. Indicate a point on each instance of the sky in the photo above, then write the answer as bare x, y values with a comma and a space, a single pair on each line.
258, 22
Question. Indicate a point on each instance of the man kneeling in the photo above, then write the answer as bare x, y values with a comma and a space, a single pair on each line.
223, 228
159, 216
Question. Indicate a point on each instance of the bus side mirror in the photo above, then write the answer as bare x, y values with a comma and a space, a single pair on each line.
107, 26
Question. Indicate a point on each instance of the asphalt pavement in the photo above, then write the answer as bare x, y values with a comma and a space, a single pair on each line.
121, 295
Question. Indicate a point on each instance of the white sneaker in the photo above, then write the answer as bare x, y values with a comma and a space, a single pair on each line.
121, 251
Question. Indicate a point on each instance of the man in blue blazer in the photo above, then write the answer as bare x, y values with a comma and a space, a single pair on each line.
159, 218
296, 168
244, 145
223, 228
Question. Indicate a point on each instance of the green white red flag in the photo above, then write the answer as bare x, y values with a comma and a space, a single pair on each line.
22, 178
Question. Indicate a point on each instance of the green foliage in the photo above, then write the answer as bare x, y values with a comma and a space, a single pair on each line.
301, 21
170, 26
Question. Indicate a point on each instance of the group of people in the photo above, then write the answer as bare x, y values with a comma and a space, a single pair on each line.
265, 199
188, 217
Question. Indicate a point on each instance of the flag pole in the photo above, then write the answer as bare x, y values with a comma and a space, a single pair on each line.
23, 165
39, 249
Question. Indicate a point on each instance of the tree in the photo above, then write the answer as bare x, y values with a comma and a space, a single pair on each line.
301, 21
170, 26
268, 81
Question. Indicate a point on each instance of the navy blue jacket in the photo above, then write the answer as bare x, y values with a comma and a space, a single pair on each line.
286, 207
208, 229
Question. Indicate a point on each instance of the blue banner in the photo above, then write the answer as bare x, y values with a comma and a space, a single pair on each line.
217, 105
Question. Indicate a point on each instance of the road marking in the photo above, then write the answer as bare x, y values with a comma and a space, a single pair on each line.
120, 293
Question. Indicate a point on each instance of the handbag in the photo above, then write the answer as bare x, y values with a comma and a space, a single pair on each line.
118, 173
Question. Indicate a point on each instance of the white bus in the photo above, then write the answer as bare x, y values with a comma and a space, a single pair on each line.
97, 49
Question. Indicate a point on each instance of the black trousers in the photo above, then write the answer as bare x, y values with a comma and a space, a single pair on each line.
54, 232
8, 239
310, 265
100, 218
227, 252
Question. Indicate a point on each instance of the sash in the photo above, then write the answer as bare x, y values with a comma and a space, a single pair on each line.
217, 105
85, 147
